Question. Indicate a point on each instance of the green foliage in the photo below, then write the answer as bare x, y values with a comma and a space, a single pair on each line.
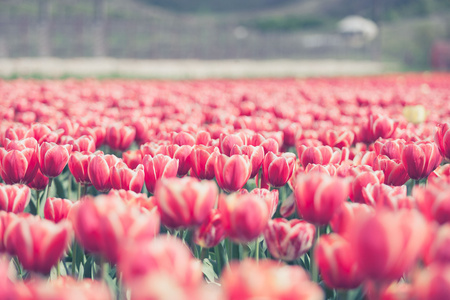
288, 23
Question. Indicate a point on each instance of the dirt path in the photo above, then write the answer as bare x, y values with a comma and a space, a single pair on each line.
179, 69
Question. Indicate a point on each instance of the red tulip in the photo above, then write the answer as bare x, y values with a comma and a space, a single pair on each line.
232, 172
338, 139
434, 201
227, 142
362, 180
39, 182
183, 138
53, 158
104, 224
255, 154
78, 166
337, 262
162, 256
270, 197
144, 203
185, 202
345, 216
85, 143
391, 148
394, 170
203, 160
388, 244
120, 137
57, 209
278, 169
442, 139
125, 178
14, 198
18, 161
382, 195
38, 244
244, 216
42, 133
420, 159
438, 250
155, 168
377, 126
99, 170
268, 280
98, 133
289, 240
321, 155
432, 282
318, 196
132, 158
211, 232
182, 154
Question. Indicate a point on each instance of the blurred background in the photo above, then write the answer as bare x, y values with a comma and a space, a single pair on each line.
410, 34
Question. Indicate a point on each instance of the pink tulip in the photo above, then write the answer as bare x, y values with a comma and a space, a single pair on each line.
125, 178
155, 168
14, 198
53, 158
232, 172
19, 161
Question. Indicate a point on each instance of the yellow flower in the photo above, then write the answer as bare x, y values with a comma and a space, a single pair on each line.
415, 113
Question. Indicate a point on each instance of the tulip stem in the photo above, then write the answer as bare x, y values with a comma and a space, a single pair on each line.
58, 270
312, 261
343, 295
218, 260
74, 257
79, 192
38, 194
257, 250
417, 182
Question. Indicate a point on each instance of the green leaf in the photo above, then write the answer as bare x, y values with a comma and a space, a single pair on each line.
208, 271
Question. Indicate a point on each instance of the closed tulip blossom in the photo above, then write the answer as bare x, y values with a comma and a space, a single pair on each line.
390, 148
102, 225
57, 209
85, 143
377, 126
14, 198
78, 166
211, 232
203, 160
434, 201
119, 136
268, 280
318, 196
39, 182
161, 256
393, 169
337, 262
125, 178
244, 216
183, 155
420, 159
232, 173
227, 142
362, 180
322, 155
289, 240
99, 171
157, 167
47, 240
53, 158
432, 282
19, 161
132, 158
388, 244
278, 169
185, 202
270, 197
442, 139
345, 216
254, 153
338, 139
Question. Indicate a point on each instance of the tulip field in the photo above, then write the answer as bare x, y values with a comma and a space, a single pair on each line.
250, 189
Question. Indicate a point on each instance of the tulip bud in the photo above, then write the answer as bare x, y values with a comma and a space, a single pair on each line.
78, 166
394, 170
120, 137
85, 143
277, 170
337, 262
125, 178
182, 154
420, 159
345, 216
132, 158
211, 232
442, 139
362, 180
232, 172
203, 160
185, 202
39, 182
338, 139
155, 168
289, 240
318, 196
268, 280
270, 197
244, 216
14, 198
47, 240
19, 161
99, 171
255, 154
227, 142
392, 149
53, 158
377, 126
57, 209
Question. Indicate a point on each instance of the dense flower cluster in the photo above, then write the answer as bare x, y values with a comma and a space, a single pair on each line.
225, 189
